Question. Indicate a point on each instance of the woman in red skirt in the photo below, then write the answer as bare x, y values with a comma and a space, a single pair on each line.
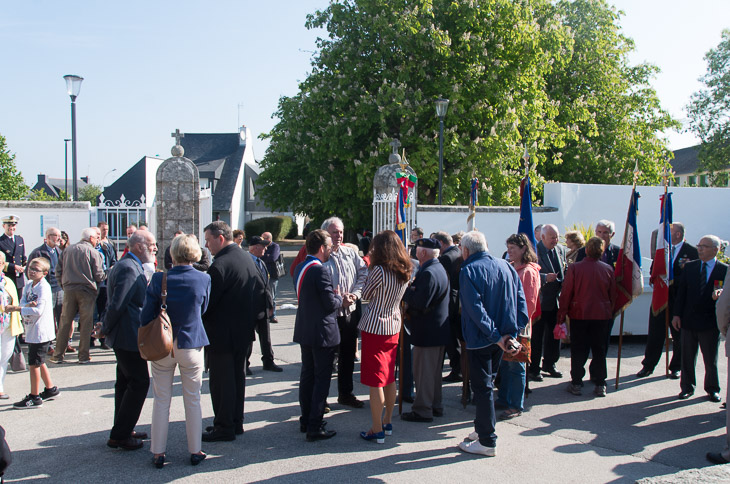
390, 270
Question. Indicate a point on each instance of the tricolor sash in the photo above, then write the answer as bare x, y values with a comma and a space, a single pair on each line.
308, 263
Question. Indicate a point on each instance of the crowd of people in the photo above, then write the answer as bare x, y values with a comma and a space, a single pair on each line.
498, 321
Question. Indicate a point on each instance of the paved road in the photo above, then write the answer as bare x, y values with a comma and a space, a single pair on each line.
641, 430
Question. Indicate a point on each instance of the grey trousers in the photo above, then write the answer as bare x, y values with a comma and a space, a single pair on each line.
427, 363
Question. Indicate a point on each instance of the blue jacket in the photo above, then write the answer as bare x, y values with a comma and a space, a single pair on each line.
126, 286
188, 291
492, 300
316, 321
428, 305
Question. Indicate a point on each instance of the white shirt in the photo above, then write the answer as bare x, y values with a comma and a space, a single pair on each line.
38, 320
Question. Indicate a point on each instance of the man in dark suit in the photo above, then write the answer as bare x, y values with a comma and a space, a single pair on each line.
14, 248
126, 286
681, 252
605, 230
427, 301
551, 258
257, 247
694, 316
316, 331
451, 259
236, 297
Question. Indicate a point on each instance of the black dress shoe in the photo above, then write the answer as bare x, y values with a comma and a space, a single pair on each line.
159, 461
414, 417
217, 435
553, 373
273, 367
714, 397
438, 412
535, 376
321, 434
139, 435
196, 459
643, 372
452, 377
685, 395
716, 458
673, 375
127, 444
303, 426
350, 401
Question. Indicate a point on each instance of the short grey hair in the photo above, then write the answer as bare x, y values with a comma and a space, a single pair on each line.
136, 238
545, 228
608, 224
474, 242
332, 221
51, 229
432, 253
88, 233
716, 242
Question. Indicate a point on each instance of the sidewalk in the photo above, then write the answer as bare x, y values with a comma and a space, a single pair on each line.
639, 431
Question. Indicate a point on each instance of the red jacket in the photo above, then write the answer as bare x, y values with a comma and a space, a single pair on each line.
588, 292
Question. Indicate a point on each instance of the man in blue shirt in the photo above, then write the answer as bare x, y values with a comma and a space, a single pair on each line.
493, 308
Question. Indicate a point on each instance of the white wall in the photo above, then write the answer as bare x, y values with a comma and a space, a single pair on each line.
36, 217
701, 210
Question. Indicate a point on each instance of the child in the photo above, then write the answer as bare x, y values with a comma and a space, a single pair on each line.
36, 308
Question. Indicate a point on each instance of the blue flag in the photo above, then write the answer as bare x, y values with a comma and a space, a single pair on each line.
525, 226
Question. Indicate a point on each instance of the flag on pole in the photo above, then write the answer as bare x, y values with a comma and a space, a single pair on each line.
525, 226
405, 181
473, 202
629, 279
662, 274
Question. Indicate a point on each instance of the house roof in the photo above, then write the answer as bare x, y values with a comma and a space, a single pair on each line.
131, 184
220, 155
53, 186
686, 160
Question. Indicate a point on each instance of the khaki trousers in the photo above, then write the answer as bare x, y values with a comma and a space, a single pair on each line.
81, 302
190, 362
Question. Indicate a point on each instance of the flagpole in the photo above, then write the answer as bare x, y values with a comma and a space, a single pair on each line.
665, 205
623, 245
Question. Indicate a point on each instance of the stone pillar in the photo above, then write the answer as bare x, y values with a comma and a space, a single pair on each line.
177, 201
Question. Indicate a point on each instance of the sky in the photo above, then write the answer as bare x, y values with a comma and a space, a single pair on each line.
151, 67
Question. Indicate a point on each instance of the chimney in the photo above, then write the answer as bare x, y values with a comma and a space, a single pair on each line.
41, 179
85, 179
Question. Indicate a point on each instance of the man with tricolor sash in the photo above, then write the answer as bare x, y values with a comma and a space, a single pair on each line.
315, 329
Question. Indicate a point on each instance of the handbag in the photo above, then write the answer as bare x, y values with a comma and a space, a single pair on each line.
525, 339
155, 339
280, 269
17, 360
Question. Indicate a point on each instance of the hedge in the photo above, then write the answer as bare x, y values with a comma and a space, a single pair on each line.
279, 226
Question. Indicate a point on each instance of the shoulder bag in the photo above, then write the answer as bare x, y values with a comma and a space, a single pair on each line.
155, 339
280, 269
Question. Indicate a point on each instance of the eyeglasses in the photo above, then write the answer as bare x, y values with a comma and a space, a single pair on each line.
30, 269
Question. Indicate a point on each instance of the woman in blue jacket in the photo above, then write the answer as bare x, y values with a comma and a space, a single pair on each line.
188, 291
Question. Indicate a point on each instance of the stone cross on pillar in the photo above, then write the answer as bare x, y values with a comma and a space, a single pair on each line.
395, 144
177, 135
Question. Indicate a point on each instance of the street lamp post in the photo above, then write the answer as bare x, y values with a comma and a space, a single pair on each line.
441, 106
65, 173
103, 180
73, 87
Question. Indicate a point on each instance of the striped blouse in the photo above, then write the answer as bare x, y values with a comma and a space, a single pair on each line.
382, 316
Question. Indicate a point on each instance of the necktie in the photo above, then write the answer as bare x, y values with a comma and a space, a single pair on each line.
554, 261
703, 277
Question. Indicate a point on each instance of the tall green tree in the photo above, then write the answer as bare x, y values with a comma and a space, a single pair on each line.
709, 113
12, 185
376, 77
90, 193
610, 111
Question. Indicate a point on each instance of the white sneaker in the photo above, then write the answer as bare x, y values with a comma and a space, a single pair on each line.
472, 437
474, 447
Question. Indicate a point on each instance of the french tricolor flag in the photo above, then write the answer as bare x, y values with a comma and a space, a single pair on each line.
662, 274
629, 279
